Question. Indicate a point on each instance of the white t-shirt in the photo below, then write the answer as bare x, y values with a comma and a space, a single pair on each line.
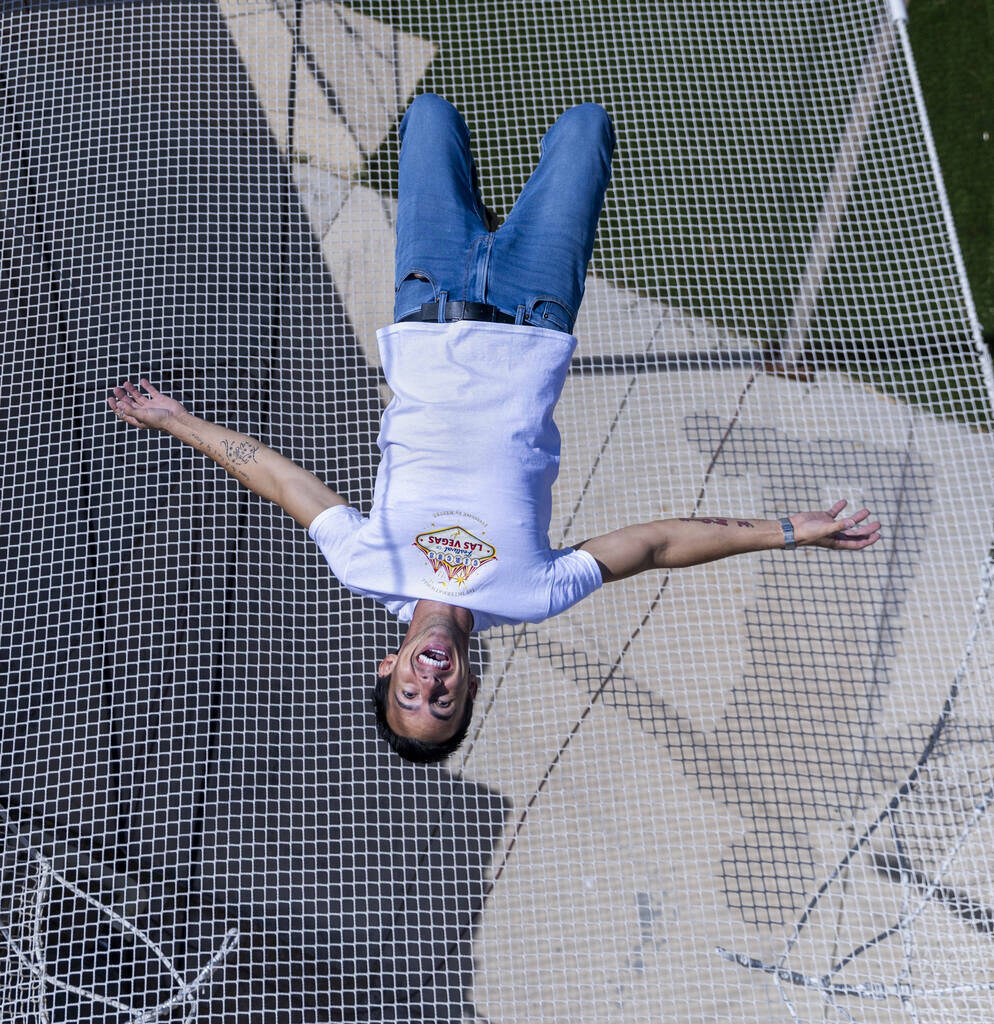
463, 493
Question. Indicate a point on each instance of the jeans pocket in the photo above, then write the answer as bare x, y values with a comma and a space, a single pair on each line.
549, 313
414, 289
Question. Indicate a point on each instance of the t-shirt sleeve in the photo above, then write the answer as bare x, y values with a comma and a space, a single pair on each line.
576, 575
334, 531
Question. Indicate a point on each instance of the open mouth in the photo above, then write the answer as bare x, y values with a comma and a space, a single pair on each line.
435, 658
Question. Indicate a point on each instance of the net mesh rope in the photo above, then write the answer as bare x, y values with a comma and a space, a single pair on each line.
751, 791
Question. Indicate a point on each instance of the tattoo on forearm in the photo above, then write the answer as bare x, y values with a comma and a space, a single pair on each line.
233, 455
719, 522
240, 452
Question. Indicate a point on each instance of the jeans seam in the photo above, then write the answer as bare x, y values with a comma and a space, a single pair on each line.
469, 268
486, 266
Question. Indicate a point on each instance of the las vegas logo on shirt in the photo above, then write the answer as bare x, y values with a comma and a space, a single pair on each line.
454, 553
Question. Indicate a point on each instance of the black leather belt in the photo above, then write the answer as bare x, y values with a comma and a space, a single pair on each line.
428, 313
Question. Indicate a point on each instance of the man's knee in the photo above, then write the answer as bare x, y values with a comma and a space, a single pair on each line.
586, 123
429, 112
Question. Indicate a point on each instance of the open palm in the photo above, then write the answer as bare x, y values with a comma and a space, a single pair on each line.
153, 410
826, 530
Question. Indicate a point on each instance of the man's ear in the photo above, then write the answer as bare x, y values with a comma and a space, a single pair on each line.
385, 667
474, 685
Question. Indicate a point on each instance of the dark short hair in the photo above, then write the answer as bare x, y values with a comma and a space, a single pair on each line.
416, 751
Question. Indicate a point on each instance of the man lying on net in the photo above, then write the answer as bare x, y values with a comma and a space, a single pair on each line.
457, 538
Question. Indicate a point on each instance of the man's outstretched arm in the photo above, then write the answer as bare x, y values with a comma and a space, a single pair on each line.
260, 469
675, 543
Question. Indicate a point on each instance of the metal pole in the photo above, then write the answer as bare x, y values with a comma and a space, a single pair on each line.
837, 194
947, 214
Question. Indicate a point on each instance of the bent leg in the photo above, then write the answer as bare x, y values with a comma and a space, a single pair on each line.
439, 211
540, 254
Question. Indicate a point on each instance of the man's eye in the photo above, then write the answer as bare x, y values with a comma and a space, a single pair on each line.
445, 703
410, 694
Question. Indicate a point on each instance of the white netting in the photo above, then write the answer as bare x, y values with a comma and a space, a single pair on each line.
751, 791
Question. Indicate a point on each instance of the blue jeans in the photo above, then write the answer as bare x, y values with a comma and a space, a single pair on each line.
534, 267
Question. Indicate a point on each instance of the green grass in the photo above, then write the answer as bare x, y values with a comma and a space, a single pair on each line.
936, 383
953, 43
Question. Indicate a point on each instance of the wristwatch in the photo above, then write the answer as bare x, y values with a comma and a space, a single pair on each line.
788, 534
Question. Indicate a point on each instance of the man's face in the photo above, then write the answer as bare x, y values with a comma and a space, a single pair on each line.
429, 685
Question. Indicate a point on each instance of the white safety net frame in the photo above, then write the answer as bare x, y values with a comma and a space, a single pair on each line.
752, 791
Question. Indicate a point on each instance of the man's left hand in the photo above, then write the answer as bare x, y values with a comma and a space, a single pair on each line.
826, 530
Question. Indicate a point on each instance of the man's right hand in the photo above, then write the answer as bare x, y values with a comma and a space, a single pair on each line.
156, 411
262, 470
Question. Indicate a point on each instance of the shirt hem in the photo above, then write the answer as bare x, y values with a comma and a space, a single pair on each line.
324, 514
592, 565
484, 325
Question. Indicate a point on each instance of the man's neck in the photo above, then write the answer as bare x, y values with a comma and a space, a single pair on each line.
427, 612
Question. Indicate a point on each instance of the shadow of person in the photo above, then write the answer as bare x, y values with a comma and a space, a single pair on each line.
373, 872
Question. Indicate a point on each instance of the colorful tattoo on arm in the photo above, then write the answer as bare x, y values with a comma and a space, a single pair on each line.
718, 522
